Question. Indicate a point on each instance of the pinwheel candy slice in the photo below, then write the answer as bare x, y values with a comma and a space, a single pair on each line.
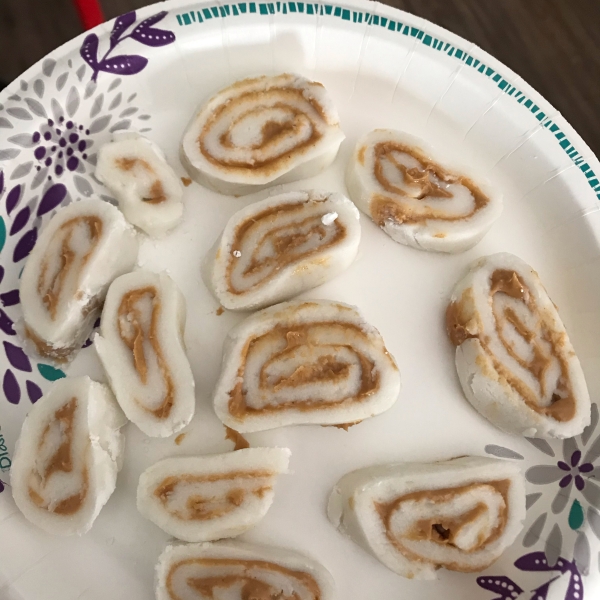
415, 518
239, 571
514, 359
65, 465
142, 350
205, 498
262, 131
304, 362
80, 251
277, 248
393, 178
148, 191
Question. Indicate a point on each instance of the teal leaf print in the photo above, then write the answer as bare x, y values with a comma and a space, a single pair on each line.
50, 373
2, 233
576, 515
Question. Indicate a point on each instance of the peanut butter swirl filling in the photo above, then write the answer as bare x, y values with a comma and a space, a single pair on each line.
305, 367
59, 433
213, 578
43, 348
239, 441
73, 245
212, 496
527, 336
139, 315
405, 174
156, 192
276, 238
260, 130
444, 526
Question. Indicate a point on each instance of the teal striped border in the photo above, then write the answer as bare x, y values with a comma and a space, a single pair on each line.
355, 16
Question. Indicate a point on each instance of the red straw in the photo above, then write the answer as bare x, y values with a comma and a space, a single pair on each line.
90, 12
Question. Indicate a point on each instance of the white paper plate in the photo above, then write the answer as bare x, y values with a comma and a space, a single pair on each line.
383, 68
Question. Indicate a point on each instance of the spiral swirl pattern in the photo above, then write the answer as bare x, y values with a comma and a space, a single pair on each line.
68, 253
141, 349
304, 362
281, 246
243, 579
502, 313
57, 458
413, 198
138, 318
448, 523
238, 571
64, 468
80, 251
149, 192
199, 499
258, 130
415, 518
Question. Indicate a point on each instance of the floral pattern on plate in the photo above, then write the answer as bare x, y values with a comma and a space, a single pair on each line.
536, 562
567, 484
125, 64
59, 121
61, 116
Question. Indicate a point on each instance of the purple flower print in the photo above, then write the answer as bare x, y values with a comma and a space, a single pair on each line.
20, 220
566, 472
6, 324
60, 145
148, 35
19, 362
536, 562
502, 585
53, 197
569, 484
25, 245
10, 387
574, 469
10, 298
12, 199
121, 24
7, 299
125, 64
16, 357
33, 391
64, 129
49, 163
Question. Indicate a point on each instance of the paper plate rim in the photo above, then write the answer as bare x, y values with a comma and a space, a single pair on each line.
375, 15
361, 11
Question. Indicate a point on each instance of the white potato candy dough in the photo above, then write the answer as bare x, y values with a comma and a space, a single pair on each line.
393, 178
205, 498
147, 189
262, 131
514, 359
67, 457
80, 251
417, 517
313, 361
142, 350
276, 248
235, 570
